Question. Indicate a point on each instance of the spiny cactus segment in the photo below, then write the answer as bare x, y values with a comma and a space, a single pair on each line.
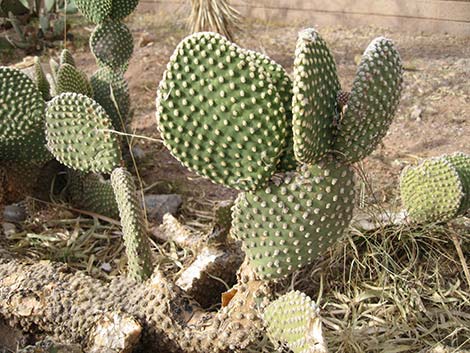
288, 225
95, 11
122, 8
372, 103
21, 118
283, 84
220, 114
67, 58
111, 91
314, 103
41, 81
71, 79
293, 320
92, 193
133, 225
79, 134
112, 45
437, 189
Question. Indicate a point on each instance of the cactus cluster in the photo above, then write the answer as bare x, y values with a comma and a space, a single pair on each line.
235, 117
71, 118
438, 189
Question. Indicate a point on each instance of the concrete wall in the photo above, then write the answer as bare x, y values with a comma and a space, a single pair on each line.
429, 16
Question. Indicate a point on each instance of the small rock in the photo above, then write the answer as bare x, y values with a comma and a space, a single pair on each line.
416, 113
146, 39
159, 205
14, 213
138, 152
8, 228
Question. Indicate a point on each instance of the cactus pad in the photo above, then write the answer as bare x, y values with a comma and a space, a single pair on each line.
314, 103
283, 83
106, 85
220, 114
133, 225
71, 79
293, 320
92, 193
95, 11
112, 44
41, 81
77, 130
123, 8
21, 118
436, 189
67, 58
372, 103
292, 221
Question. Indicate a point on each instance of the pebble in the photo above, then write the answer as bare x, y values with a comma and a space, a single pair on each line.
14, 214
159, 205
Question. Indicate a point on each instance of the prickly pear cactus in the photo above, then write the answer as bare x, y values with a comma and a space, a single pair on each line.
220, 114
112, 93
294, 321
90, 192
41, 81
21, 118
122, 8
95, 11
292, 221
437, 189
112, 45
314, 103
67, 58
372, 103
133, 225
79, 134
71, 79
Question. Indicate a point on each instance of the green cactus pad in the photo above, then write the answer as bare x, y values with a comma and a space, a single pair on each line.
106, 85
436, 189
112, 44
41, 81
77, 130
372, 103
123, 8
92, 193
67, 58
95, 11
71, 79
314, 103
461, 163
22, 110
292, 221
133, 225
283, 83
294, 320
220, 114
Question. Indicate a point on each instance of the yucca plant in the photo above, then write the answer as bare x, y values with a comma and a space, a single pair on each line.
214, 16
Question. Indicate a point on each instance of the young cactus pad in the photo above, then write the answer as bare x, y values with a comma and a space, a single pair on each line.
92, 193
314, 103
41, 81
373, 101
112, 44
437, 189
21, 118
220, 114
79, 134
286, 226
133, 225
111, 91
293, 320
71, 79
